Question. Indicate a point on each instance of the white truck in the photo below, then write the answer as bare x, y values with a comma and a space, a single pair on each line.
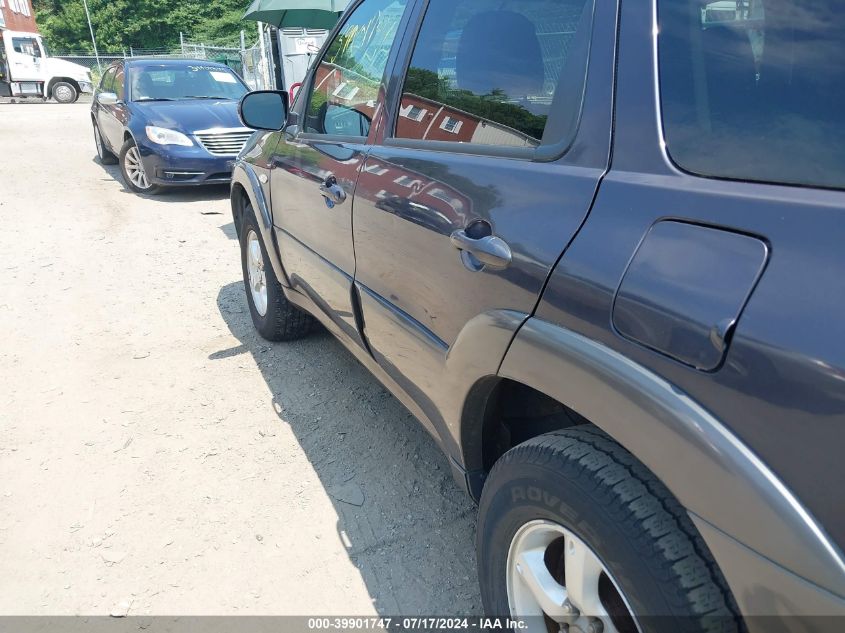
27, 71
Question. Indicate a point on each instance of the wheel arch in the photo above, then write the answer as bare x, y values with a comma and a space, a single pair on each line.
246, 188
238, 198
500, 413
128, 135
711, 472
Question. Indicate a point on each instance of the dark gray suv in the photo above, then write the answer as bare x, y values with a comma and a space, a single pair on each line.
597, 247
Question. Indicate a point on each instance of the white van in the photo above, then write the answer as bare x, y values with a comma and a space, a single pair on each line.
27, 71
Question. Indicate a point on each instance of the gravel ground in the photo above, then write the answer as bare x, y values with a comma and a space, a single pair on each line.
156, 456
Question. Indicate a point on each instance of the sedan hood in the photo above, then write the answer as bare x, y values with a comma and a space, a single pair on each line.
190, 115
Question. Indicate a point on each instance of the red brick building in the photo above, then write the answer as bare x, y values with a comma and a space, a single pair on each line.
17, 15
421, 118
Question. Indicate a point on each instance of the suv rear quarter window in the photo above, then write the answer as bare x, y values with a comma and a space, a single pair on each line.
755, 89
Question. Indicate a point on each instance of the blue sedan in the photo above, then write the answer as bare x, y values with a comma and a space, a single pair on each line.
169, 122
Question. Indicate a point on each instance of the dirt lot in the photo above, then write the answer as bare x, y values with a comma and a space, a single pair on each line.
155, 454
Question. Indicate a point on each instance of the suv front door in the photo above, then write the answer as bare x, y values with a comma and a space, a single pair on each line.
320, 153
488, 169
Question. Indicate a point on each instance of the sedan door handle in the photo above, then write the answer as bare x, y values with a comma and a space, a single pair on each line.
332, 192
490, 250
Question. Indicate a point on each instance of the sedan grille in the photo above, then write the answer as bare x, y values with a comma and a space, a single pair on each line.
224, 142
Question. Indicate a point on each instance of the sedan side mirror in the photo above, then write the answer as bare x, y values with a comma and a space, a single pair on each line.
106, 98
264, 110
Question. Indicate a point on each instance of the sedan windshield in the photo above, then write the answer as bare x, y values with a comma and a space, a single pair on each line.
177, 83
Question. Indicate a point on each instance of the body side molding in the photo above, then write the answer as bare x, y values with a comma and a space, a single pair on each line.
712, 473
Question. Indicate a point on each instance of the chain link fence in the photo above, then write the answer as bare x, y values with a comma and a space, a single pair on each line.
246, 62
253, 69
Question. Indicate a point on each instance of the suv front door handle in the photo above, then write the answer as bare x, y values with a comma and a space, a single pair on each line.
490, 250
332, 192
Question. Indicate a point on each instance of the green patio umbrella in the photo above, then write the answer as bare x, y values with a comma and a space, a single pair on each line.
311, 14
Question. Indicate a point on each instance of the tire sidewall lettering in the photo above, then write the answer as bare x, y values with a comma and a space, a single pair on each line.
536, 494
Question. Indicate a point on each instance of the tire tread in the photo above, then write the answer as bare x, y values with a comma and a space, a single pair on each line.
655, 522
283, 321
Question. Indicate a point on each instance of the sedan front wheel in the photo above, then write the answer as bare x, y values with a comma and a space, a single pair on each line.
132, 168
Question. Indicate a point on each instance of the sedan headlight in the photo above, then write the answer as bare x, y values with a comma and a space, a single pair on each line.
163, 136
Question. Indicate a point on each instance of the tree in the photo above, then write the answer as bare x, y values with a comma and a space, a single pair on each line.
494, 106
139, 23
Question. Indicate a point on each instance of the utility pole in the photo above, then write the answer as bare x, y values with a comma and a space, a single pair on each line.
93, 39
265, 71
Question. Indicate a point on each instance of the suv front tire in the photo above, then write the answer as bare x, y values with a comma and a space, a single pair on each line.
275, 318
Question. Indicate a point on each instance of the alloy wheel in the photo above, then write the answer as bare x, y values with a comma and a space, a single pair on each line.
558, 579
135, 169
255, 270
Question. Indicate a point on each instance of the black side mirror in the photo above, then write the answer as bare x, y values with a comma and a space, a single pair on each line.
264, 109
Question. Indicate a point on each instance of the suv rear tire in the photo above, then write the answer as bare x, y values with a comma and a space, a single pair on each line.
275, 318
653, 568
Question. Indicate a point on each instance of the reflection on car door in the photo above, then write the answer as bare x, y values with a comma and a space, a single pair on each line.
319, 156
462, 214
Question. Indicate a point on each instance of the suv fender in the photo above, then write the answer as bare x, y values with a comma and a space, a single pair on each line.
245, 178
724, 486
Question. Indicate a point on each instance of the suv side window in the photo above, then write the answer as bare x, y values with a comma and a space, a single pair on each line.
345, 85
491, 76
755, 89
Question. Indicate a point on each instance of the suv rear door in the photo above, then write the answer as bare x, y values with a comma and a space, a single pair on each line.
486, 168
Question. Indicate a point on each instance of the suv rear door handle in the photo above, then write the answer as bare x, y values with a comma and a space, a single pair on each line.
490, 250
332, 192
